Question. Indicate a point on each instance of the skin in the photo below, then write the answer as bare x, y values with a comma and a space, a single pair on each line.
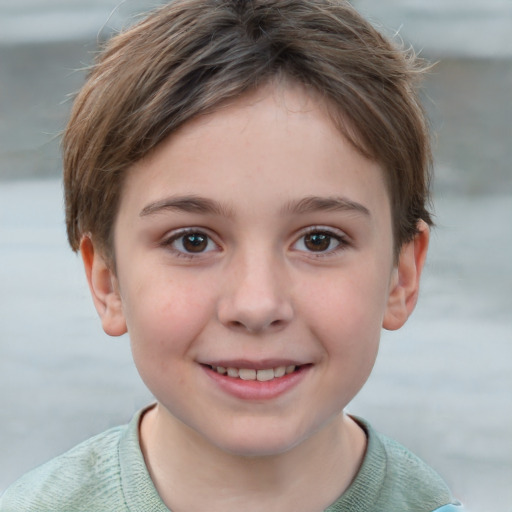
258, 290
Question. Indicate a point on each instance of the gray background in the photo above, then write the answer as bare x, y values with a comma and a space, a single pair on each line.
442, 384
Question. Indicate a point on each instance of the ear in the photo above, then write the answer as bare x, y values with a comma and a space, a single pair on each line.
104, 288
405, 282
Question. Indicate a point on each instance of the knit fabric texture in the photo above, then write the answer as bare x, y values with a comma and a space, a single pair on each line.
108, 473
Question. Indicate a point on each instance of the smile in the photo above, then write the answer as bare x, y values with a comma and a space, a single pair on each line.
252, 374
256, 381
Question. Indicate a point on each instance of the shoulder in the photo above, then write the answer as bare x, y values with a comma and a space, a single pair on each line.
412, 483
84, 478
405, 467
392, 478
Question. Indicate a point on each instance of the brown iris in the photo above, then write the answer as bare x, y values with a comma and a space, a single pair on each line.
317, 242
195, 242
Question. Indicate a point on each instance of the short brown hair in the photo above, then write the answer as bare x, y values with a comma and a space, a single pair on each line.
190, 56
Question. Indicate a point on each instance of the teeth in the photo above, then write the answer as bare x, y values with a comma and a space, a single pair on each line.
259, 375
280, 371
233, 372
245, 374
264, 375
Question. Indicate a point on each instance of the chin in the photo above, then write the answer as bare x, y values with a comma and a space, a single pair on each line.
258, 442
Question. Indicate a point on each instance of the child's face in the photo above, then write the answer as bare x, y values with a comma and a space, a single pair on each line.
255, 238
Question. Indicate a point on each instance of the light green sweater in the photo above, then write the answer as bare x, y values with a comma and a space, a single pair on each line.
108, 473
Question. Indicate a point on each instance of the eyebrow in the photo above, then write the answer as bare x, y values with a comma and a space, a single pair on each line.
314, 204
205, 206
188, 204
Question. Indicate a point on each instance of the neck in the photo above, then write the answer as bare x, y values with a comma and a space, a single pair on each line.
191, 474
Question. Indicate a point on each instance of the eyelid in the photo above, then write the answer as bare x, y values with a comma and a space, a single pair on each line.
169, 239
338, 234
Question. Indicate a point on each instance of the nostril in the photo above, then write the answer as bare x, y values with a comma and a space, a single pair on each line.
241, 312
256, 327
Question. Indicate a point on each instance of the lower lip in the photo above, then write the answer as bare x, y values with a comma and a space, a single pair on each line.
254, 389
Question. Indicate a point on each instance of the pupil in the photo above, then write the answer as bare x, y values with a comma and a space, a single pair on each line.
317, 241
195, 242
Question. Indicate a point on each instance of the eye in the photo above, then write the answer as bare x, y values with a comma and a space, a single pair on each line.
191, 242
320, 241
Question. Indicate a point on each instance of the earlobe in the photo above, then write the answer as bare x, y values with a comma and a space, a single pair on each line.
404, 287
104, 288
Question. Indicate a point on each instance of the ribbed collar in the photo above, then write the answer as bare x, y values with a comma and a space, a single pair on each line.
141, 495
364, 491
139, 491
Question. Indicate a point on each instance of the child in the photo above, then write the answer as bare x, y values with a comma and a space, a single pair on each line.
246, 181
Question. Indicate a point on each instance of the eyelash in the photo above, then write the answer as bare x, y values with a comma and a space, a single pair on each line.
180, 235
329, 234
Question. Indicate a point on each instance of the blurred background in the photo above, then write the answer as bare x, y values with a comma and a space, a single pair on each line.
442, 385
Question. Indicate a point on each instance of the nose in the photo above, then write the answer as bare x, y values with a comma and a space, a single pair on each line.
256, 295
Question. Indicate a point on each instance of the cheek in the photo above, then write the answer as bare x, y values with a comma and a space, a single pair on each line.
165, 324
351, 304
345, 316
166, 317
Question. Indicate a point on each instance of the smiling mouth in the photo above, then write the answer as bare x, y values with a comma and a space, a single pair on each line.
256, 375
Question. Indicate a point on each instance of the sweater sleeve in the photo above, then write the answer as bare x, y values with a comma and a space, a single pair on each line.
83, 479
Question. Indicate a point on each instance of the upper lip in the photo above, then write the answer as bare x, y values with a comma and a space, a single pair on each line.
252, 365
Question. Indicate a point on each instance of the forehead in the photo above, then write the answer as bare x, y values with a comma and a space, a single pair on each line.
275, 145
